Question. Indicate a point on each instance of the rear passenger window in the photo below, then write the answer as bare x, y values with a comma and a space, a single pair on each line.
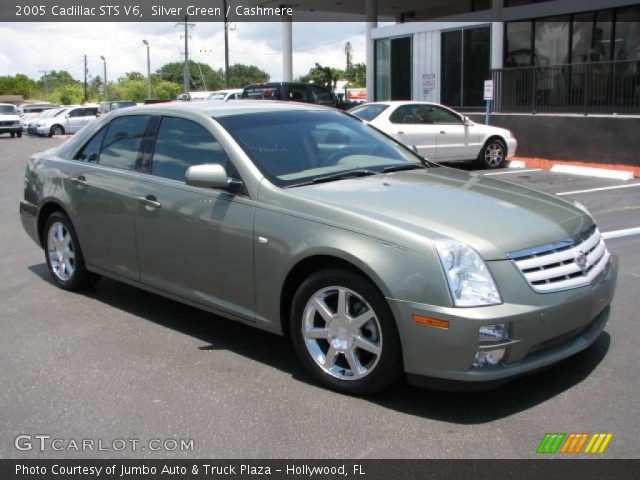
122, 142
91, 151
182, 143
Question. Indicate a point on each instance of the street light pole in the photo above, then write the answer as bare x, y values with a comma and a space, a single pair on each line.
148, 70
105, 77
226, 45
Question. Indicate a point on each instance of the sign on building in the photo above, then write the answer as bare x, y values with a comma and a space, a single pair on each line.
488, 89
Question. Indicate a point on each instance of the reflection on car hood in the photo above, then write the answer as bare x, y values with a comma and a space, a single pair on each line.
493, 216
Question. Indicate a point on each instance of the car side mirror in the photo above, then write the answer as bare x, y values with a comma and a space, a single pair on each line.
467, 121
208, 176
66, 115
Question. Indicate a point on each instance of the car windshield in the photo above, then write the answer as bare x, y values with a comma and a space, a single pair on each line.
7, 109
368, 112
297, 147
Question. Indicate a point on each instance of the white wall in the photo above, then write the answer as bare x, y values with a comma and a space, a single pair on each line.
426, 61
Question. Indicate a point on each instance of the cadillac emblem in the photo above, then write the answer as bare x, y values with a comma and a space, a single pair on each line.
581, 261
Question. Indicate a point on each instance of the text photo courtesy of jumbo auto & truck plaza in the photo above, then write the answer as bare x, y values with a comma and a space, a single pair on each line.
373, 239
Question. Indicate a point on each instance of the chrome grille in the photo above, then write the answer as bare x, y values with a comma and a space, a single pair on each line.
564, 265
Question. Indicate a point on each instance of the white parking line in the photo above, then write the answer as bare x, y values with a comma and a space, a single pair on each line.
627, 232
574, 192
513, 171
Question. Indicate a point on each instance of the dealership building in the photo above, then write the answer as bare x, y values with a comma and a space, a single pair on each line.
561, 69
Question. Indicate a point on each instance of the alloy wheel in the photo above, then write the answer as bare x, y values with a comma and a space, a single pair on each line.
342, 333
61, 251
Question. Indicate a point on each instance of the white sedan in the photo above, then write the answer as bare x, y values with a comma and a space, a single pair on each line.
439, 133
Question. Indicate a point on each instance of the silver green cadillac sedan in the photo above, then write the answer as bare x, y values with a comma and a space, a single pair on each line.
305, 221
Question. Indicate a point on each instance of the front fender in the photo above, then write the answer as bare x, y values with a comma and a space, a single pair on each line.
398, 272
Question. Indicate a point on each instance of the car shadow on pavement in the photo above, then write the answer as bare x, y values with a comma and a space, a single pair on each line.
218, 333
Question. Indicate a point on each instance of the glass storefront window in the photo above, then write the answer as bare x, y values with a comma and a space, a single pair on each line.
551, 44
582, 39
601, 51
383, 69
627, 41
518, 48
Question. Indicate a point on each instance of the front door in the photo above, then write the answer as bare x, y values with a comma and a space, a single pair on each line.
196, 243
453, 136
411, 125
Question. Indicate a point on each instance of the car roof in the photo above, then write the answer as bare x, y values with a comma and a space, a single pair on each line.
398, 103
240, 107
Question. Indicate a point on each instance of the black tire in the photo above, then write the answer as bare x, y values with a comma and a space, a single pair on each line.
493, 154
19, 134
80, 278
56, 130
13, 135
385, 368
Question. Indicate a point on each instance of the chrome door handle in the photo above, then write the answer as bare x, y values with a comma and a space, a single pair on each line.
400, 133
150, 201
443, 132
80, 181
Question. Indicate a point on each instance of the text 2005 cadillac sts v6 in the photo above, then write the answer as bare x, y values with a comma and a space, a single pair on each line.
305, 221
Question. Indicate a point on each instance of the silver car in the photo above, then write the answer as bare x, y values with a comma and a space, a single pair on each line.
304, 221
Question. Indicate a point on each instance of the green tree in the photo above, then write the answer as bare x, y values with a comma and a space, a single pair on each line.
348, 52
356, 75
67, 94
326, 76
241, 75
18, 85
201, 75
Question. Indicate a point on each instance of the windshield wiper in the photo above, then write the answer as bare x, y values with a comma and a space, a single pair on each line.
338, 176
400, 168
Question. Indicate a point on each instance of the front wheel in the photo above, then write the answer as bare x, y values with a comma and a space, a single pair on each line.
344, 333
64, 256
56, 130
493, 154
19, 134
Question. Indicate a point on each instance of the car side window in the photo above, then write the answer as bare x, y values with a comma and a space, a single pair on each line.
442, 116
122, 141
90, 112
91, 151
410, 114
181, 143
321, 96
76, 112
298, 94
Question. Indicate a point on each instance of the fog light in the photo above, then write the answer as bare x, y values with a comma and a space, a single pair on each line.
493, 333
488, 358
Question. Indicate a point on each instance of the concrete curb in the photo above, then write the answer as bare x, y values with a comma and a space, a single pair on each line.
593, 172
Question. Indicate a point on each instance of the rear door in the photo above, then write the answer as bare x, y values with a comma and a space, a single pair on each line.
193, 242
103, 188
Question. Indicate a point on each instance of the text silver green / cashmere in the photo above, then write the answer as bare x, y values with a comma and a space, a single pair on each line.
304, 221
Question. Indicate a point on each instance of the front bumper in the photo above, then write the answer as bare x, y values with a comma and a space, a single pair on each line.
544, 328
10, 128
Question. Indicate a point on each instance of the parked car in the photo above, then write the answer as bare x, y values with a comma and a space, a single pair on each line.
69, 120
106, 107
226, 95
440, 133
30, 124
305, 221
290, 91
10, 120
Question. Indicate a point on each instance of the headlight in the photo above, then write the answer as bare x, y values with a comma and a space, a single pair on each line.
470, 282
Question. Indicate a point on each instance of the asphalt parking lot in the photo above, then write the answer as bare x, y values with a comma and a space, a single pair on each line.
119, 363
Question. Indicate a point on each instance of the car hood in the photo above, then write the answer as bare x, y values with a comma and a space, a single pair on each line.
493, 216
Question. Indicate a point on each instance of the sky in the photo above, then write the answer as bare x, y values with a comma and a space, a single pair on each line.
31, 47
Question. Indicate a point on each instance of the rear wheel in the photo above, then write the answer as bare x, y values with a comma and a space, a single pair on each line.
493, 154
344, 333
19, 134
13, 134
64, 256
